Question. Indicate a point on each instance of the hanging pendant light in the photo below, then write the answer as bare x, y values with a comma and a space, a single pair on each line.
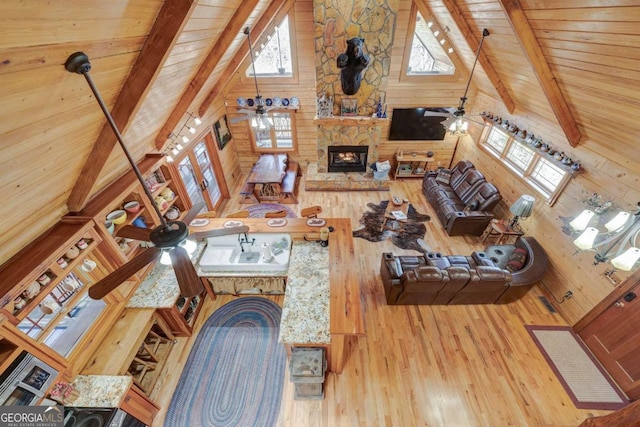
458, 124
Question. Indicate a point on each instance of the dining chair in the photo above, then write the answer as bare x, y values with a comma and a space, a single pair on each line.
276, 214
311, 211
239, 214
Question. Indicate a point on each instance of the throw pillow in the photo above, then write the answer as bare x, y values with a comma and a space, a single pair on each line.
444, 176
516, 260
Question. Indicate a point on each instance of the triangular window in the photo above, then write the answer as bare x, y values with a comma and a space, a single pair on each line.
429, 49
273, 57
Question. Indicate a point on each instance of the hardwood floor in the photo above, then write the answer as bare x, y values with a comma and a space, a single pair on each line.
419, 365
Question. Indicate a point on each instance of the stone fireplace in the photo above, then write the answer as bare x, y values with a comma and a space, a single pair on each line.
337, 132
347, 158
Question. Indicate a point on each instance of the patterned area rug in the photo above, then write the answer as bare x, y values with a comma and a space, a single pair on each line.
235, 372
405, 235
585, 381
259, 209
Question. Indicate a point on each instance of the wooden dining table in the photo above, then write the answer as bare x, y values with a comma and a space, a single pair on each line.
268, 172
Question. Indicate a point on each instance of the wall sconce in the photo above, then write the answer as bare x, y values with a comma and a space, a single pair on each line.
617, 244
175, 147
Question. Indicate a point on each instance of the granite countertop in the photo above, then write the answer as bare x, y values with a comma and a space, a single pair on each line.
101, 391
160, 288
305, 311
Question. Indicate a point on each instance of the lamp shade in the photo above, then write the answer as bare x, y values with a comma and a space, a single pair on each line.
586, 239
626, 260
523, 207
618, 221
582, 220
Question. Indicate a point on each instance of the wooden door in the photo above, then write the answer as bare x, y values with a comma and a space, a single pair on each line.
202, 174
614, 338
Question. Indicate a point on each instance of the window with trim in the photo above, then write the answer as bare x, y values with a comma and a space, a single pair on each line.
273, 58
542, 174
280, 137
428, 54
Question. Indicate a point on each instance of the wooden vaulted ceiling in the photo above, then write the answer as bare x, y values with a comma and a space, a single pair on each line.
569, 67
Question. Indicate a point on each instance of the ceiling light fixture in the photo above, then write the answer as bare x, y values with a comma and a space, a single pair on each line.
458, 124
175, 147
261, 121
618, 244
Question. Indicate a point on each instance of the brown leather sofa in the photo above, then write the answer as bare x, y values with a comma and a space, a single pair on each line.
464, 204
436, 279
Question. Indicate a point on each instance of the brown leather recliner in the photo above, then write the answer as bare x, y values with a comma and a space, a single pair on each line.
437, 279
464, 204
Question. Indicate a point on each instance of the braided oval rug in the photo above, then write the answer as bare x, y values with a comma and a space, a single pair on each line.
235, 372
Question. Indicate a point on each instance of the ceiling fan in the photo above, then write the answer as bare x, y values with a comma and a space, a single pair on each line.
455, 119
259, 118
168, 237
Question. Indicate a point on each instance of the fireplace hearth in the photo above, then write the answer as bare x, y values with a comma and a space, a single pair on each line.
347, 158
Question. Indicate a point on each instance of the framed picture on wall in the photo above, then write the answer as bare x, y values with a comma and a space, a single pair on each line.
223, 136
349, 107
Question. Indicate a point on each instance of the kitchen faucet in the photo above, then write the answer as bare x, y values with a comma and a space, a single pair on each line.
245, 239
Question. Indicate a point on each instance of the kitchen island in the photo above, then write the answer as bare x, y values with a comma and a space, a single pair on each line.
317, 311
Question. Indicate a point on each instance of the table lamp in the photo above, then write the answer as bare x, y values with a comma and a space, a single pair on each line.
522, 208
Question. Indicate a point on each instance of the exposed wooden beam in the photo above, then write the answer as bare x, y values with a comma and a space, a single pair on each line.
214, 56
473, 43
527, 39
269, 15
163, 35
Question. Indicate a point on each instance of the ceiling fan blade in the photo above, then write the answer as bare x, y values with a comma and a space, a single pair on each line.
107, 284
133, 232
195, 210
188, 279
220, 232
246, 111
239, 119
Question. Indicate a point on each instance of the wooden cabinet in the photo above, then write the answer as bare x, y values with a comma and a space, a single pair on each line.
138, 405
151, 355
44, 292
411, 164
181, 317
160, 179
138, 344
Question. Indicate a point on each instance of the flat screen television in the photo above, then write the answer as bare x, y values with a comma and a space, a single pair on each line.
410, 124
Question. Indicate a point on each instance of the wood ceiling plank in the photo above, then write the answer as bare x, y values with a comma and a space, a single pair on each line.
218, 50
267, 17
170, 20
533, 52
473, 43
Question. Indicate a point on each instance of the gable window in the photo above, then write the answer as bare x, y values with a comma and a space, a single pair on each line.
543, 174
279, 138
273, 57
429, 51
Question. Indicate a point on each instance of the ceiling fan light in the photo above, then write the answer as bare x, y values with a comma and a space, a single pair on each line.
165, 258
189, 245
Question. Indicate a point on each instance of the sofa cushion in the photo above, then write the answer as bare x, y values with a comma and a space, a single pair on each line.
444, 176
517, 260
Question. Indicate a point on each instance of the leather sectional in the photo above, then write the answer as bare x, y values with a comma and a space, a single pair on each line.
464, 203
480, 278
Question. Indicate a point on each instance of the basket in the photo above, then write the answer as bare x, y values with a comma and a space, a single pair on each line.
380, 174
